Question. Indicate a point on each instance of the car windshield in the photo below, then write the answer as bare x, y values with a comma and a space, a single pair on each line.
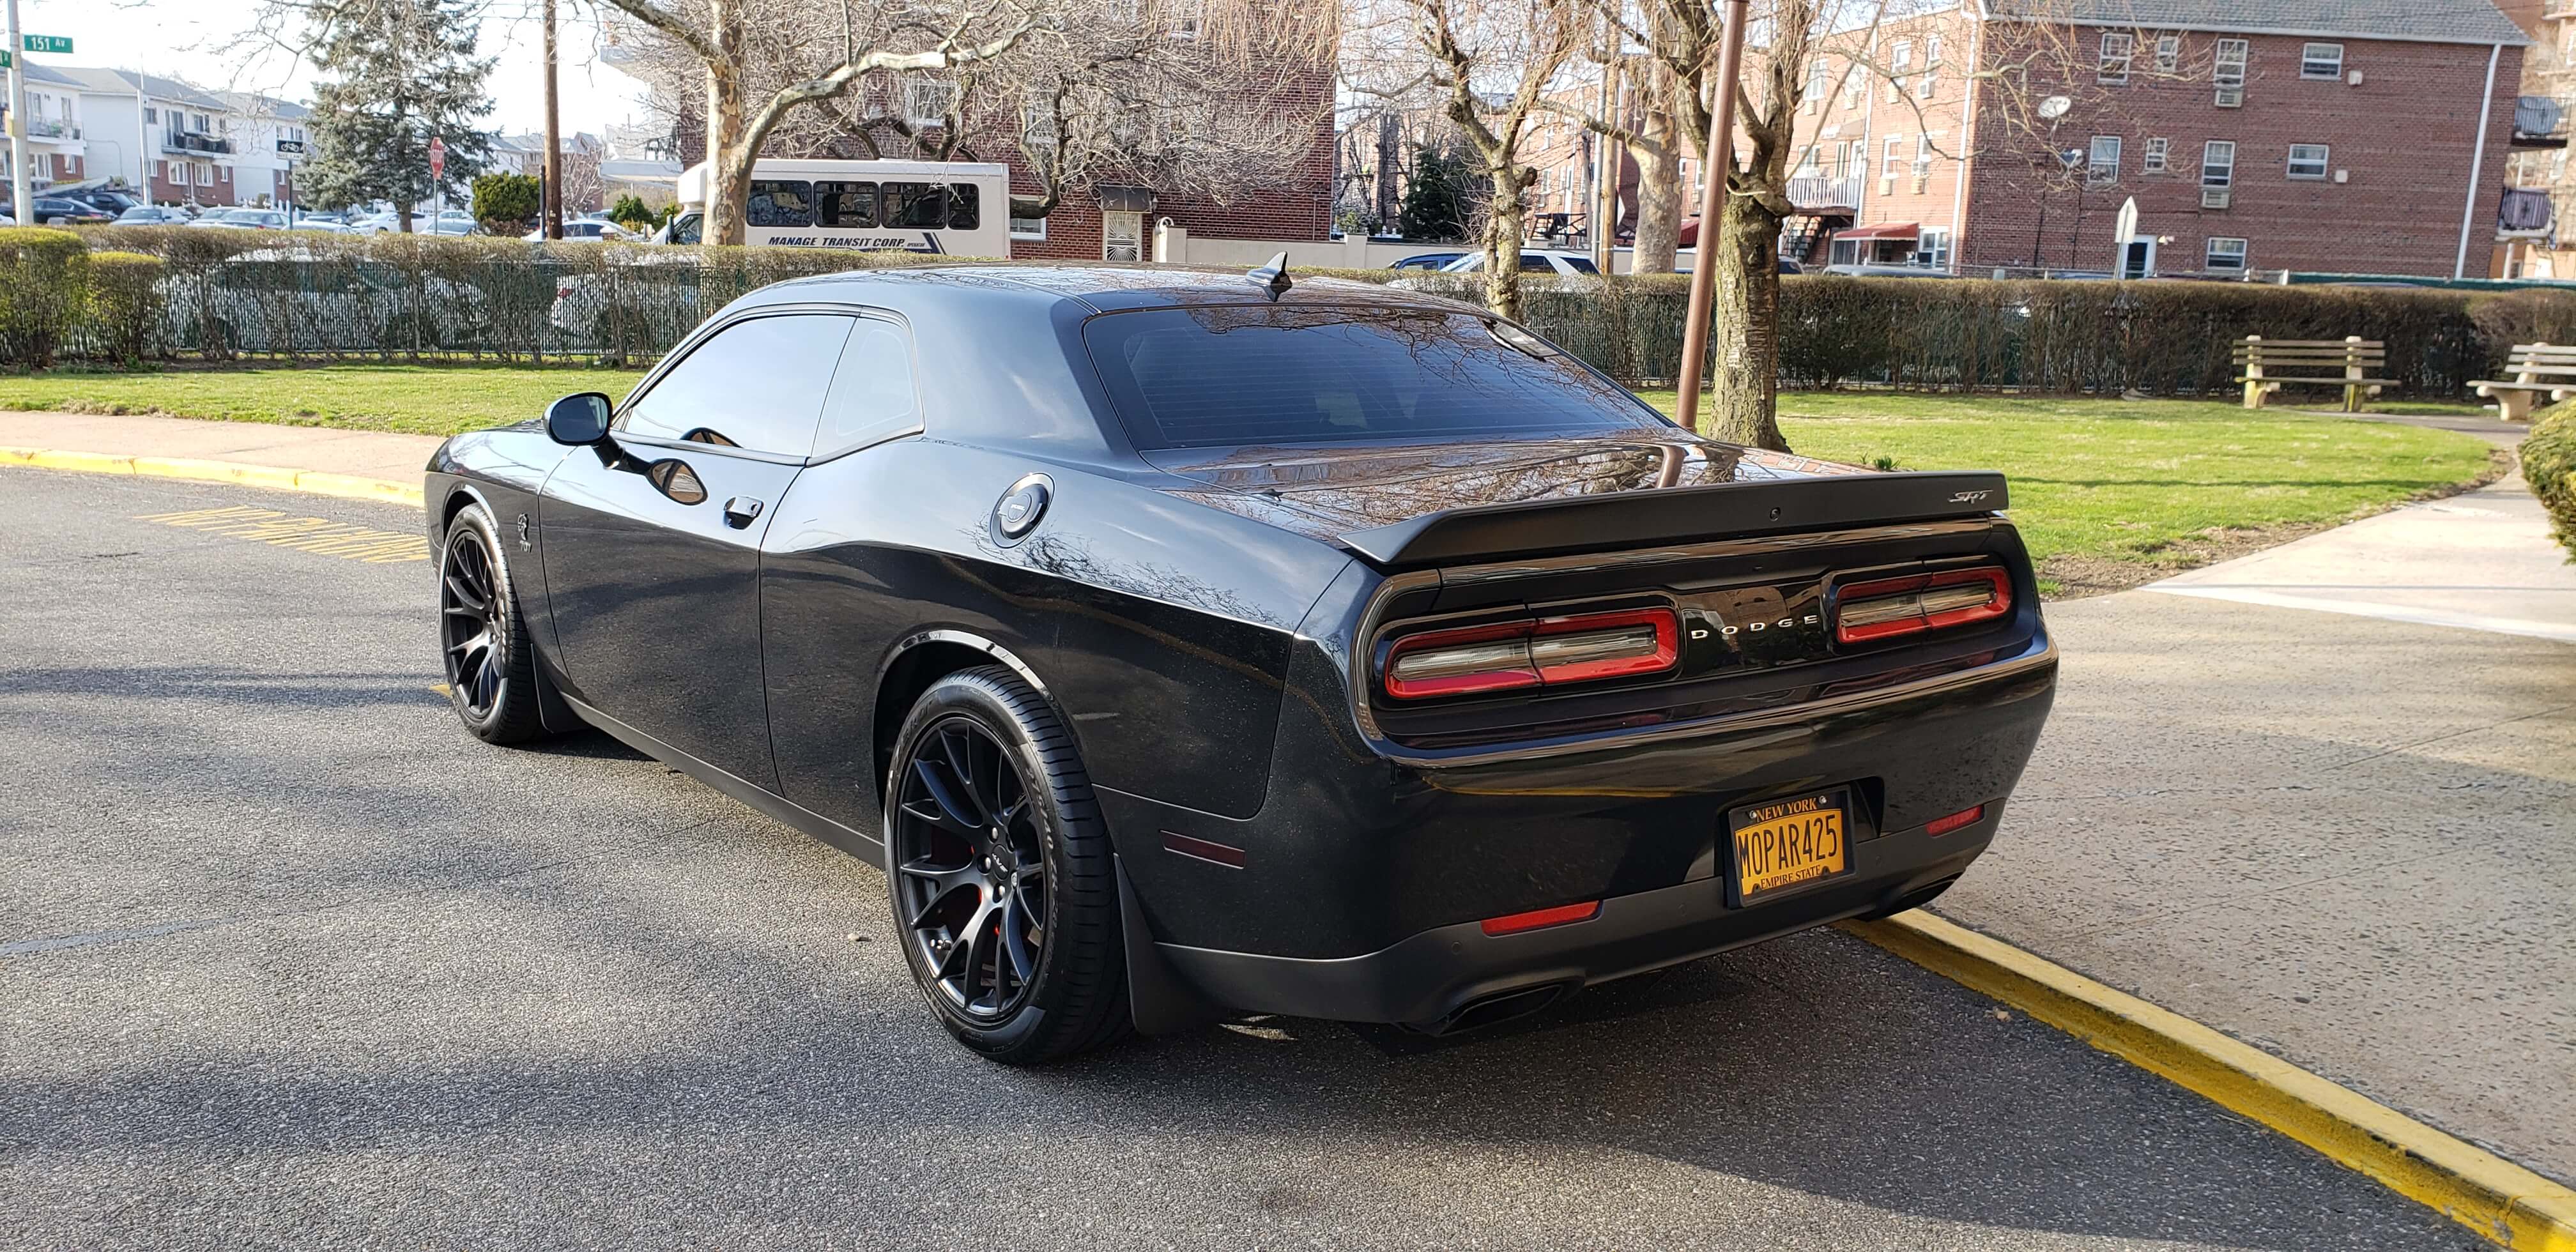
1234, 374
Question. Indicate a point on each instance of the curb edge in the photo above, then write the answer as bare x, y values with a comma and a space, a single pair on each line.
273, 477
2500, 1201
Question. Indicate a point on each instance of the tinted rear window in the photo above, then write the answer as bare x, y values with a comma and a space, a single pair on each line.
1221, 376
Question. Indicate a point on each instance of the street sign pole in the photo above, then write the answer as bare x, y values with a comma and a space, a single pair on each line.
20, 198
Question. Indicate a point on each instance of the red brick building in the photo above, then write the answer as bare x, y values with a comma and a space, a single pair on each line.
2353, 136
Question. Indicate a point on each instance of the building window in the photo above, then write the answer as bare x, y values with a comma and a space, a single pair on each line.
2227, 72
1186, 17
1922, 157
1900, 61
1807, 163
2102, 165
2308, 160
1028, 228
2153, 160
1895, 156
1817, 84
2226, 255
2117, 48
2321, 60
2168, 54
1932, 250
2218, 163
152, 117
926, 101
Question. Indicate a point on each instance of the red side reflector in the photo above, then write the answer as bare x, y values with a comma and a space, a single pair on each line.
1535, 919
1944, 825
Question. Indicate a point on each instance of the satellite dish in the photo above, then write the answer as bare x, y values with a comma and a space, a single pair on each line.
2054, 108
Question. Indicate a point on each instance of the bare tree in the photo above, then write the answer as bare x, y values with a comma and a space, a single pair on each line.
1488, 65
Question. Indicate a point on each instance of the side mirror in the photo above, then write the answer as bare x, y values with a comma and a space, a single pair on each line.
578, 420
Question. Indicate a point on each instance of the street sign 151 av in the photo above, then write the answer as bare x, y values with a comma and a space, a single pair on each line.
5, 61
47, 43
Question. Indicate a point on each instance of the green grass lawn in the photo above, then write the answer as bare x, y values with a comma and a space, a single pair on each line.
2109, 493
412, 399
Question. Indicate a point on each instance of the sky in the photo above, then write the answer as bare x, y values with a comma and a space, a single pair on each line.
187, 39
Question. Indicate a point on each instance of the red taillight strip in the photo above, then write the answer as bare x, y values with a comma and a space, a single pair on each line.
1502, 656
1944, 825
1514, 923
1886, 607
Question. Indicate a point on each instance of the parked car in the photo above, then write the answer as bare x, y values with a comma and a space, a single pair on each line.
1532, 262
1182, 642
99, 196
245, 219
60, 211
586, 228
151, 215
451, 222
1885, 271
1426, 260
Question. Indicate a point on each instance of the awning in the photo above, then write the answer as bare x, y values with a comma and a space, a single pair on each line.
1908, 231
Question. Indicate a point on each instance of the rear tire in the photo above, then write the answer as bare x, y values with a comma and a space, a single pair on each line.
488, 658
1004, 891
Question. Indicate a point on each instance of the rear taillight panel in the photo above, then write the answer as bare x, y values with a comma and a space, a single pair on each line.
1873, 610
1549, 651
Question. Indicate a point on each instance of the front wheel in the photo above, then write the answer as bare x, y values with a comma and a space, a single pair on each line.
1004, 894
486, 654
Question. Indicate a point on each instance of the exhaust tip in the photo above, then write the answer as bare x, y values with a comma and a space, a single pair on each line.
1494, 1010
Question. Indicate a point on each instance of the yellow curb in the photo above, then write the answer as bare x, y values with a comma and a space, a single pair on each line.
2501, 1201
310, 482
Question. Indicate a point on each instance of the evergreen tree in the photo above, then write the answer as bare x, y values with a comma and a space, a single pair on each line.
1435, 201
403, 71
506, 203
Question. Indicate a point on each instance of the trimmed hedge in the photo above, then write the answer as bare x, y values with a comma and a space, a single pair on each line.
2549, 465
44, 288
302, 295
126, 303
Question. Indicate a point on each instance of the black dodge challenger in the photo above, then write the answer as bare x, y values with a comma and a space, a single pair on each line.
1186, 643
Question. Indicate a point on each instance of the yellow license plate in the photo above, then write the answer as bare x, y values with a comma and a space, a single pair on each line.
1789, 844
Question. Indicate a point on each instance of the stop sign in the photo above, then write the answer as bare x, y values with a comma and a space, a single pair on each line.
437, 157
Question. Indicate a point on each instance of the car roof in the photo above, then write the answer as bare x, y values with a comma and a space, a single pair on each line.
1100, 288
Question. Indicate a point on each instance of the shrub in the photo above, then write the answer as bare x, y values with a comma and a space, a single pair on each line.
507, 203
2549, 465
126, 303
44, 288
629, 212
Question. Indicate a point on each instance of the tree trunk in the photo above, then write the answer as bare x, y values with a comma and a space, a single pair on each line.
728, 157
1659, 196
1390, 154
402, 214
1503, 236
1745, 326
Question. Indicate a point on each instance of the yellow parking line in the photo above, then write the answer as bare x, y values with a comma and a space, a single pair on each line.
2503, 1202
318, 535
310, 482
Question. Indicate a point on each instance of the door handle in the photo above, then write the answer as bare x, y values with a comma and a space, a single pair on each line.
740, 510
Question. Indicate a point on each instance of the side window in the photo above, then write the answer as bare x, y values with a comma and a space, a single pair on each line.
965, 206
776, 202
1533, 263
872, 396
915, 206
757, 384
848, 205
688, 229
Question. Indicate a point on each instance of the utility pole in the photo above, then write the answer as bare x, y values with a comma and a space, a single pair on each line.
22, 200
1712, 210
553, 192
1609, 160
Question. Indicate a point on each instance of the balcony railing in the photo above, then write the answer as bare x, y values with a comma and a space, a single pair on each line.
52, 128
2524, 211
192, 141
1819, 192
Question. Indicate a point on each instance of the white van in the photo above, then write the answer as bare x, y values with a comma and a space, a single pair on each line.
953, 208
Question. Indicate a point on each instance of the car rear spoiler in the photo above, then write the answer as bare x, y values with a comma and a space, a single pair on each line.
1632, 519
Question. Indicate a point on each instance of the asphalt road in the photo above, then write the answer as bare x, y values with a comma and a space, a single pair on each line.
286, 957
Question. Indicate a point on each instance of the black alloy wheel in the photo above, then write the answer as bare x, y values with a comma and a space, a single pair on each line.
971, 872
491, 677
1004, 890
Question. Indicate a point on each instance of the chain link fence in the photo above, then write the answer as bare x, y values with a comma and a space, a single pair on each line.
229, 295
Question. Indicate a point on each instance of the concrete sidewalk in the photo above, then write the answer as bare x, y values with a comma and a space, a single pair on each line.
358, 453
2323, 798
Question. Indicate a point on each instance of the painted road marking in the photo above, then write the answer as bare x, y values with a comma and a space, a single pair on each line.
319, 535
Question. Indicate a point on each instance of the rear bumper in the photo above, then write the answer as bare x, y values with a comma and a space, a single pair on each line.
1438, 974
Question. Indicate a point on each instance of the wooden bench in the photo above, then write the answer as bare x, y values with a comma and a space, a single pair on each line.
2347, 363
2539, 369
